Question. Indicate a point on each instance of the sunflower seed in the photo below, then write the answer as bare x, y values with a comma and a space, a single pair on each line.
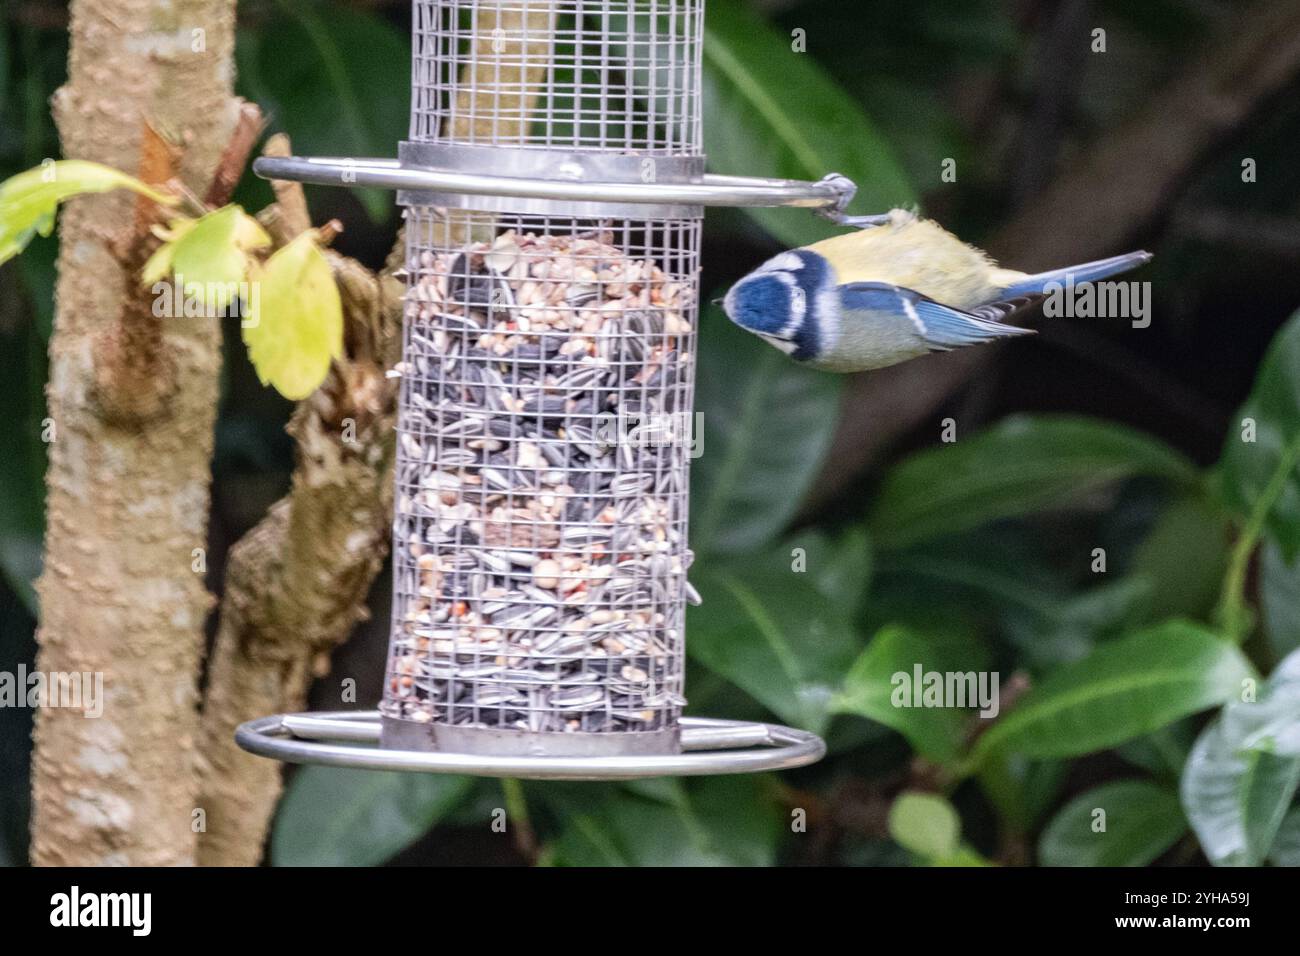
578, 698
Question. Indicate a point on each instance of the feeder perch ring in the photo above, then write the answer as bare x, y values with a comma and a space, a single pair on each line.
348, 739
827, 197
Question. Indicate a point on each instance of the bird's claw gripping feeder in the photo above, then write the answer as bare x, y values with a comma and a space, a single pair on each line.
554, 189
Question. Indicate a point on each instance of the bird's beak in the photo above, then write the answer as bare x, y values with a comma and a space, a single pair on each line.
718, 302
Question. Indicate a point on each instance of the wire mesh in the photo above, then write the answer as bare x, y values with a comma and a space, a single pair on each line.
559, 74
545, 422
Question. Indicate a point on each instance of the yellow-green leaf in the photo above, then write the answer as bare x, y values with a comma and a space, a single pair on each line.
160, 263
209, 256
30, 200
926, 824
294, 326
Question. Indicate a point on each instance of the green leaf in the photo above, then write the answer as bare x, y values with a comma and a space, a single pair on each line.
994, 576
1066, 628
1286, 845
1142, 820
875, 688
838, 567
29, 201
767, 424
721, 821
336, 817
209, 256
1022, 465
1125, 688
1271, 721
1022, 790
774, 112
965, 856
926, 824
770, 632
1262, 476
294, 327
1244, 769
1162, 753
1279, 598
1236, 799
1182, 558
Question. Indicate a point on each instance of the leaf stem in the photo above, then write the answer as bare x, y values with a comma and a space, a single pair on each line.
1233, 615
517, 812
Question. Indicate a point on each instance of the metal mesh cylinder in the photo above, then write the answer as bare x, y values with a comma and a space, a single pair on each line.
614, 75
545, 423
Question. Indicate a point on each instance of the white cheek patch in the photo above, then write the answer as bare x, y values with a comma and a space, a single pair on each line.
785, 262
798, 303
798, 311
784, 345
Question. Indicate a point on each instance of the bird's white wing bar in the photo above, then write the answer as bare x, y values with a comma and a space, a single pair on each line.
910, 311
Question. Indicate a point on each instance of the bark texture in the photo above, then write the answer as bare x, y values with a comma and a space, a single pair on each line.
128, 483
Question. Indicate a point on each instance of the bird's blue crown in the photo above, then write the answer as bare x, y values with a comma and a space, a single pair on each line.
762, 303
779, 300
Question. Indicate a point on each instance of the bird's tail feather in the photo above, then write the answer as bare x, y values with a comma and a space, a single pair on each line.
1084, 272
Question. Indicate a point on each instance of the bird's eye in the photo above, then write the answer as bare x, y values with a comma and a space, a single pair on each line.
796, 298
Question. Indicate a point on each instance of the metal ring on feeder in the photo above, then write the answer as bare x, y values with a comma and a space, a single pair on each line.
709, 747
828, 196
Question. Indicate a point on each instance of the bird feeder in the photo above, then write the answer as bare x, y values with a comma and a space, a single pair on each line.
554, 190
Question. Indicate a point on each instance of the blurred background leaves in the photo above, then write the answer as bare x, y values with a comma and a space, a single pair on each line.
766, 426
1138, 821
977, 554
800, 126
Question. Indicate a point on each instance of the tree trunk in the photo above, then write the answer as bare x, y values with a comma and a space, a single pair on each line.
133, 398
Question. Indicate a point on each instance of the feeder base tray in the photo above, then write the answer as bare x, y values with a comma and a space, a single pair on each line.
709, 746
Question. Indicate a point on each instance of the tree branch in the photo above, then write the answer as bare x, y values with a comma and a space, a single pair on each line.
297, 583
234, 160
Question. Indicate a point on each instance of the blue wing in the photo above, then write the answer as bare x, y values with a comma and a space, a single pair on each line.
941, 327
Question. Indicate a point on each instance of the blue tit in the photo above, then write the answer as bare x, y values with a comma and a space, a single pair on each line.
892, 292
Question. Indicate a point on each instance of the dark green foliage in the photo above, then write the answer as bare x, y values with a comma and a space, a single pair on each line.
1150, 689
1138, 821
